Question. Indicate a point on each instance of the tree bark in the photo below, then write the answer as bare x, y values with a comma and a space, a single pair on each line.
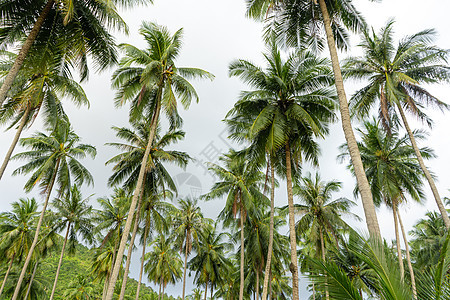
60, 263
7, 273
126, 231
185, 265
293, 241
408, 257
397, 237
322, 248
160, 285
130, 248
206, 289
241, 285
257, 284
430, 179
9, 79
269, 250
363, 183
14, 142
142, 260
212, 290
36, 235
31, 280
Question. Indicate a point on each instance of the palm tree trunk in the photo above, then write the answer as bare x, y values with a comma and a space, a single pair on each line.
363, 183
397, 237
160, 285
31, 280
7, 83
15, 140
257, 284
126, 231
163, 291
293, 241
322, 248
241, 286
314, 291
206, 289
212, 290
437, 198
408, 257
60, 263
142, 260
269, 250
36, 235
130, 248
185, 266
7, 273
270, 285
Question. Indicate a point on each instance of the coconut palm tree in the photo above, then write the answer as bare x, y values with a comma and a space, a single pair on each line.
241, 183
16, 232
80, 28
150, 78
300, 22
291, 103
43, 84
79, 288
53, 159
74, 213
163, 264
188, 224
396, 75
210, 263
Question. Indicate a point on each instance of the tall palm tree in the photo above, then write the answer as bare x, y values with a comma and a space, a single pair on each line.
393, 172
53, 159
396, 75
163, 264
241, 183
188, 224
300, 22
74, 213
16, 232
210, 263
291, 103
150, 78
128, 163
80, 28
43, 84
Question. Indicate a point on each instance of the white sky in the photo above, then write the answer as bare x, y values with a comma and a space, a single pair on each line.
217, 32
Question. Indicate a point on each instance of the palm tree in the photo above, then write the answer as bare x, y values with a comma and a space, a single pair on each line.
73, 212
127, 166
80, 288
80, 28
163, 264
395, 76
149, 77
291, 103
210, 263
188, 224
241, 182
393, 172
16, 232
300, 22
43, 84
53, 159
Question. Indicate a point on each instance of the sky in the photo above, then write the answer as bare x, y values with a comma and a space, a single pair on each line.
215, 33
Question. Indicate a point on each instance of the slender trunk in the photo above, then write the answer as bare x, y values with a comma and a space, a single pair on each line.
293, 241
142, 260
36, 235
322, 248
9, 79
185, 265
212, 290
408, 257
363, 183
7, 273
105, 286
130, 248
126, 231
241, 286
397, 237
314, 291
31, 279
269, 250
206, 289
113, 260
270, 285
163, 291
430, 180
15, 140
160, 285
60, 263
257, 284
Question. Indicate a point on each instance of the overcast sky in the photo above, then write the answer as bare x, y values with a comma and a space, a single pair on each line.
216, 32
